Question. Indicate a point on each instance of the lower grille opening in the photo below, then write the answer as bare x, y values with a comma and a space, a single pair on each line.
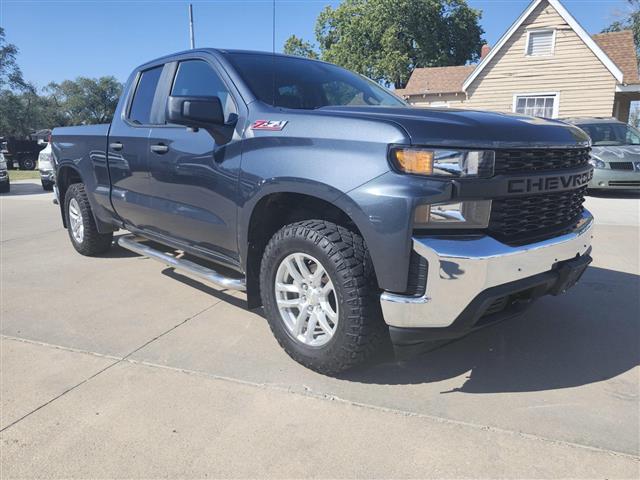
523, 219
418, 268
625, 183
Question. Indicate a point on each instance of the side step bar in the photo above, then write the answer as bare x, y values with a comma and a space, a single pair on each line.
130, 242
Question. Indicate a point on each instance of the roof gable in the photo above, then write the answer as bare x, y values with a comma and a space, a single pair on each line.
566, 16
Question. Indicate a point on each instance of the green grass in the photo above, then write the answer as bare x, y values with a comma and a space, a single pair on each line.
23, 174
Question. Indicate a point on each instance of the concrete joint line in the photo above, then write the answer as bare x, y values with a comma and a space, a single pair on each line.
305, 392
116, 359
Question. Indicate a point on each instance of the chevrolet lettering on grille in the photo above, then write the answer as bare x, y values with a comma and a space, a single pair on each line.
548, 183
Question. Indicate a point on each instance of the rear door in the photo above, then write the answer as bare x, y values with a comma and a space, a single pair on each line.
195, 181
128, 148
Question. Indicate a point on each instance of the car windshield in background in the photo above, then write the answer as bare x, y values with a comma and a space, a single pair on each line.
305, 84
603, 134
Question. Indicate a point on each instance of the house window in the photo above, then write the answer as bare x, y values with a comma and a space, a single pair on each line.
539, 105
540, 42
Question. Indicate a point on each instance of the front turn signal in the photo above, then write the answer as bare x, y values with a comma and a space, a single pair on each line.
411, 160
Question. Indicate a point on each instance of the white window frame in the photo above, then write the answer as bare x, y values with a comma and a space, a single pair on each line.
556, 100
540, 30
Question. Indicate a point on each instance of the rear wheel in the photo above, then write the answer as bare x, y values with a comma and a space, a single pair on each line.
47, 186
81, 225
320, 296
27, 164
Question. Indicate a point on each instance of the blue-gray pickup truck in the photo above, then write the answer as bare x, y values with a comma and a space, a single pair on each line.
349, 216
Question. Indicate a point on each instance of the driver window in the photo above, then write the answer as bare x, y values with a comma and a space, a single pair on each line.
198, 78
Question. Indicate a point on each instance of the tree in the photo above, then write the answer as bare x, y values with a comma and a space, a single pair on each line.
297, 46
632, 22
85, 100
10, 73
386, 39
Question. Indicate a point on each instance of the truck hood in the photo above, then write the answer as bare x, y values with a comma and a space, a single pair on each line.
470, 128
623, 153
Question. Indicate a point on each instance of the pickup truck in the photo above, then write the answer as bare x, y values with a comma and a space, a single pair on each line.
351, 217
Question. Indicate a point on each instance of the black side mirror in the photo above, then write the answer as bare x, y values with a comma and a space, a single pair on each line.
195, 112
202, 112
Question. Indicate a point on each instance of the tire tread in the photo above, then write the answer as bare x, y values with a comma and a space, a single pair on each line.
347, 250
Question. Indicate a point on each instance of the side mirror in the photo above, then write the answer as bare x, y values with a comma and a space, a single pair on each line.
195, 112
202, 112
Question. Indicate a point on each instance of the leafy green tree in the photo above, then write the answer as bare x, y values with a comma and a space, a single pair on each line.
386, 39
297, 46
85, 100
632, 22
10, 73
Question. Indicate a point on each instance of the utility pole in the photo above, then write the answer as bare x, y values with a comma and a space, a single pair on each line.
191, 37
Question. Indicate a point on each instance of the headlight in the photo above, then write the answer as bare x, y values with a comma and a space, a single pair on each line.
443, 162
597, 163
468, 214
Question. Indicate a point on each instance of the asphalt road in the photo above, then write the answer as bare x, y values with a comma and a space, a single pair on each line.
119, 367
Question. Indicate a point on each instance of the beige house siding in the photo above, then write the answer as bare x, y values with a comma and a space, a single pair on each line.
439, 100
584, 85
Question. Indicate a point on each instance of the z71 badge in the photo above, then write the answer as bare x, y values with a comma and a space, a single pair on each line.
268, 124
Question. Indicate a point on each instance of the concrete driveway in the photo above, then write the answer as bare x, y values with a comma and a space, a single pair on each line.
119, 367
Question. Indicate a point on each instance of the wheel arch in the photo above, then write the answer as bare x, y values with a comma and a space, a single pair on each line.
66, 175
278, 208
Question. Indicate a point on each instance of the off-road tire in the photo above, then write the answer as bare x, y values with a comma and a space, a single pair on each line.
93, 242
343, 253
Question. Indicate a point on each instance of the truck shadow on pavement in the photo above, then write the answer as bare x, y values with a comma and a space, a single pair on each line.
590, 334
26, 188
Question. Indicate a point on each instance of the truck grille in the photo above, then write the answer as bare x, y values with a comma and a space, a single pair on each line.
527, 161
523, 219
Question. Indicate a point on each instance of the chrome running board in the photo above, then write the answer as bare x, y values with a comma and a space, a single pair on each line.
130, 242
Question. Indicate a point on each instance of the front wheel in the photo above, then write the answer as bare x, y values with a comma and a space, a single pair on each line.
81, 225
320, 295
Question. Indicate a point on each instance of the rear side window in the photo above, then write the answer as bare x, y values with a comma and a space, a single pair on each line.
197, 78
142, 103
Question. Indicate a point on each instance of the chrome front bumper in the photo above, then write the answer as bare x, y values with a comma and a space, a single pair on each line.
460, 269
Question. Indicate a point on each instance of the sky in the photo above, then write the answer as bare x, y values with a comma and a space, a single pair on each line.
61, 40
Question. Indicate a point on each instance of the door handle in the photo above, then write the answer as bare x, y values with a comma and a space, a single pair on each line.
160, 148
117, 146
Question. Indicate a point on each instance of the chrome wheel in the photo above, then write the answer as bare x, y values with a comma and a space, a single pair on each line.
75, 221
306, 299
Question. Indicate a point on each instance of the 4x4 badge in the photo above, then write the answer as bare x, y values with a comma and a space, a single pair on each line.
268, 124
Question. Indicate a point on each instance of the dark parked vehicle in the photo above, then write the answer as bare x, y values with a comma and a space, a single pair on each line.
350, 216
21, 153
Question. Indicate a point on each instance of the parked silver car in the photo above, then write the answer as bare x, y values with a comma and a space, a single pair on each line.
4, 175
45, 165
615, 154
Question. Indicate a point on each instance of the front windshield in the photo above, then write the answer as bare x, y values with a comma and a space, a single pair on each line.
298, 83
603, 134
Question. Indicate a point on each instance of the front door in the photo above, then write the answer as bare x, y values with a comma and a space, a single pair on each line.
194, 182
